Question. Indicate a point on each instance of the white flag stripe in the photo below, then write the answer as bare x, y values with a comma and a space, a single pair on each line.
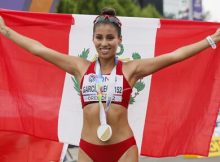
138, 36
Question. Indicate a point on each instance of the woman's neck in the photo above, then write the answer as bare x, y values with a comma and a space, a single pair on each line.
107, 65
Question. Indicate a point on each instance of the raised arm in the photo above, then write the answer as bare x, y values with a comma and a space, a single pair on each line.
70, 64
144, 67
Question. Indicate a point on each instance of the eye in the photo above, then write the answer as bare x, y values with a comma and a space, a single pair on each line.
110, 37
99, 37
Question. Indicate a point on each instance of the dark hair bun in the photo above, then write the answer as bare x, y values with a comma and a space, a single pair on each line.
108, 11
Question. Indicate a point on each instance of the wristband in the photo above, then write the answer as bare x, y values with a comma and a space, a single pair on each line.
211, 42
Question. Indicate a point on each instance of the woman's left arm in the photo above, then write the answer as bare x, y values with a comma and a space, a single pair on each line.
144, 67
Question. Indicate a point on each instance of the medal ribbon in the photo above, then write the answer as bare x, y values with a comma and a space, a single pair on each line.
110, 90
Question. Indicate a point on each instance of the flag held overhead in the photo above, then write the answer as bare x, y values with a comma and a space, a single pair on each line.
172, 113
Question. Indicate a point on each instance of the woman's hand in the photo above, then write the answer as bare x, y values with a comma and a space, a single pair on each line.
2, 23
3, 29
216, 36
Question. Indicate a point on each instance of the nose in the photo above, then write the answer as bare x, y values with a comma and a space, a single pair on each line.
104, 42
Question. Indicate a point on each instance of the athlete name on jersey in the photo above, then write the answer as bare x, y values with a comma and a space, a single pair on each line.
89, 88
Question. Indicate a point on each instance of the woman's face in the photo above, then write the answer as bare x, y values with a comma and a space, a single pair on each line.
106, 40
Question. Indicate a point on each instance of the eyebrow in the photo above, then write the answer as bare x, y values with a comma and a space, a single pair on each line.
106, 35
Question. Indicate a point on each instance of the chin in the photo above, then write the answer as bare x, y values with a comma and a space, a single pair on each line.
106, 56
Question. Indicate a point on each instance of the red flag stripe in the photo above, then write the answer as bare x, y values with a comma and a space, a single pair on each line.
183, 101
21, 148
31, 88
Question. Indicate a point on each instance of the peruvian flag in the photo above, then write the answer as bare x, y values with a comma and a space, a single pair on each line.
172, 112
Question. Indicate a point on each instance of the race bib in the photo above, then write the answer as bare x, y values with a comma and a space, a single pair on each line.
89, 88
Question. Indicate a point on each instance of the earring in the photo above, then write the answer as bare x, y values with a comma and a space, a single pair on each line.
121, 50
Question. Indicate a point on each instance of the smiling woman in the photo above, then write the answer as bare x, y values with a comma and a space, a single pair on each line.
107, 34
106, 40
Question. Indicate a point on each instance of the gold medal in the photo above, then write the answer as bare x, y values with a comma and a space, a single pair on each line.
104, 132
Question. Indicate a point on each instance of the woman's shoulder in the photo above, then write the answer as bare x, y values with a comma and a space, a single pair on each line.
130, 64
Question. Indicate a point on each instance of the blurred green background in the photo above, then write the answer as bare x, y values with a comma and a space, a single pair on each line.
93, 7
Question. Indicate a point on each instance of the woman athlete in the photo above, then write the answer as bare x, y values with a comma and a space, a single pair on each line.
114, 141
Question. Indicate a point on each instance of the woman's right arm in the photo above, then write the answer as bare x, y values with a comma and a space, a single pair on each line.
70, 64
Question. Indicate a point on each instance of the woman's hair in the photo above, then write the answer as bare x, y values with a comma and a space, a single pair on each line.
108, 11
108, 16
